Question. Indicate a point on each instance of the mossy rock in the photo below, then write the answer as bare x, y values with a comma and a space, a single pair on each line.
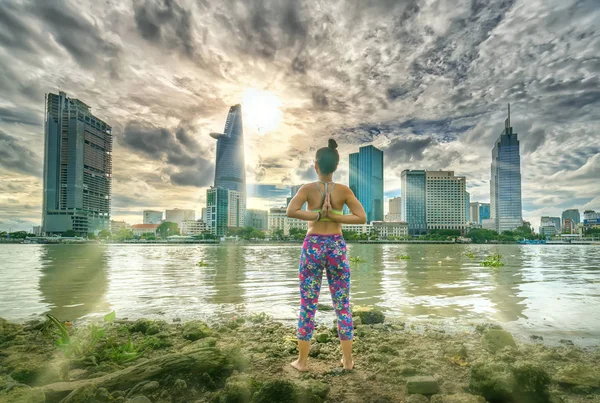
369, 315
195, 330
457, 398
578, 375
532, 383
322, 338
387, 349
492, 380
495, 340
22, 395
8, 330
324, 307
147, 326
277, 391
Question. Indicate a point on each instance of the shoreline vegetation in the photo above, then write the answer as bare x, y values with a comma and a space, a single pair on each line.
246, 359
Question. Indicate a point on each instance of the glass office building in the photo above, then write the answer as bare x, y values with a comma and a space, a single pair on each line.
77, 168
230, 169
414, 201
366, 180
505, 184
484, 212
573, 214
217, 210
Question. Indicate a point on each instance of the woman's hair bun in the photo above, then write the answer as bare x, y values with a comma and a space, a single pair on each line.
332, 144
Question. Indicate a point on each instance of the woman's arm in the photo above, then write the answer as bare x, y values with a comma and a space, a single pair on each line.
357, 212
294, 209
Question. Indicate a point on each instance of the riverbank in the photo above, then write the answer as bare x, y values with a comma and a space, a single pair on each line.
247, 360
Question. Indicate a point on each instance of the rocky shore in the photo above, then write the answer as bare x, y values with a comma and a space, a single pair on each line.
247, 360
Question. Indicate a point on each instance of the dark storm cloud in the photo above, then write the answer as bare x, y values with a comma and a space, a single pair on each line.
261, 28
180, 150
167, 23
405, 150
15, 157
20, 115
74, 31
454, 51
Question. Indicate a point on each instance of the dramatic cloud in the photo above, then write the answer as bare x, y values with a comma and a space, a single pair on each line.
425, 81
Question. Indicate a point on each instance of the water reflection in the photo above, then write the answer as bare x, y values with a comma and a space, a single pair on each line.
229, 274
74, 280
505, 289
366, 278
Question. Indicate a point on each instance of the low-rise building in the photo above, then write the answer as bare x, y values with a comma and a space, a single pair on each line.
278, 220
548, 228
140, 229
258, 219
116, 226
152, 216
37, 230
390, 229
193, 227
358, 228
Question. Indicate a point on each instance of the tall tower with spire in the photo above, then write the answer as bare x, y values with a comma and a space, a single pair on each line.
505, 184
230, 176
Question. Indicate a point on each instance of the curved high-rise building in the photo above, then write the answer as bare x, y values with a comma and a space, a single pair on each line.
230, 170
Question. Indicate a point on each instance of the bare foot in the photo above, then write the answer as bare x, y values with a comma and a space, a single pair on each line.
347, 367
301, 368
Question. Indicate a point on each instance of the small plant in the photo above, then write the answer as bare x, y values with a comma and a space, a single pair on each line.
493, 261
403, 257
123, 353
202, 263
60, 330
357, 259
259, 317
470, 255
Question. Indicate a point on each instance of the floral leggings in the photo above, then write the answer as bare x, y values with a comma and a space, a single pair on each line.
324, 252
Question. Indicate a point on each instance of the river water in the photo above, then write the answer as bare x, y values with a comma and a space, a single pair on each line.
552, 291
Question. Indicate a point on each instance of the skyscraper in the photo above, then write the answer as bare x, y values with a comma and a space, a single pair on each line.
395, 209
505, 184
366, 180
479, 212
573, 214
225, 208
230, 170
77, 168
414, 201
467, 206
446, 200
152, 216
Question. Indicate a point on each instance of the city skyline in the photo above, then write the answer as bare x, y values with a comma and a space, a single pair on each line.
426, 87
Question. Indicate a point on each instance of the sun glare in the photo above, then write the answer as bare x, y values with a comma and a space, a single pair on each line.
261, 110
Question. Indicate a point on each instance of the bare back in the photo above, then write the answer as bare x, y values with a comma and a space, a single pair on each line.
315, 192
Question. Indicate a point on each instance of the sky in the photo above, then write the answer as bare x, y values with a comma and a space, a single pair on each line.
426, 81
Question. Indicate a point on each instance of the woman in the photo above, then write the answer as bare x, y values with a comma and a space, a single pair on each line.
324, 248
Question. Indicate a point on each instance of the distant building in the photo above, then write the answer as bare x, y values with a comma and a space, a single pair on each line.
488, 223
390, 229
217, 210
366, 180
190, 228
591, 218
573, 214
394, 209
554, 220
204, 215
278, 220
258, 219
77, 168
568, 226
474, 212
152, 216
140, 229
294, 189
358, 228
467, 206
179, 215
484, 212
37, 230
414, 201
445, 201
548, 228
116, 226
225, 209
505, 184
